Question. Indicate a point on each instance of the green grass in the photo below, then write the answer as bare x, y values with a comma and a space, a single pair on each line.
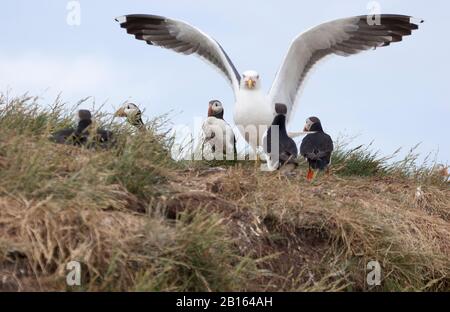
240, 229
358, 161
61, 195
363, 161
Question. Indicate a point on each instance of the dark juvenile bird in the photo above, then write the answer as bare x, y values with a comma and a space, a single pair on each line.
218, 136
133, 115
316, 147
102, 138
287, 149
74, 136
80, 135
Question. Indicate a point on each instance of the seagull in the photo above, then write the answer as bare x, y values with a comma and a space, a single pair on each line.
218, 136
254, 109
133, 115
287, 152
316, 147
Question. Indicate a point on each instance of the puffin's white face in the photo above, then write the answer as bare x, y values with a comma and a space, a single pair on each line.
128, 110
250, 80
215, 107
309, 123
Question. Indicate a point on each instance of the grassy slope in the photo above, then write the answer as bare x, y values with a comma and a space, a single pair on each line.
139, 221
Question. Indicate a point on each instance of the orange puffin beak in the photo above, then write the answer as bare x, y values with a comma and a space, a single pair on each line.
305, 128
210, 111
120, 113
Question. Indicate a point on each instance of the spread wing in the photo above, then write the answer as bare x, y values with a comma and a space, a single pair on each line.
182, 38
343, 37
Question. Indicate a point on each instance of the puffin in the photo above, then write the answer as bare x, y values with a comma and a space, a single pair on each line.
287, 149
74, 136
80, 135
133, 115
316, 147
218, 136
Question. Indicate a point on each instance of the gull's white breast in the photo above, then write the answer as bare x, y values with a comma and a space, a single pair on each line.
253, 110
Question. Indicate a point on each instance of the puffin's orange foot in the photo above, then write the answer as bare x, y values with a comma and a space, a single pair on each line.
310, 175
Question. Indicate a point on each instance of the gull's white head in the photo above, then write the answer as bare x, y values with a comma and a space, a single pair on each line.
250, 80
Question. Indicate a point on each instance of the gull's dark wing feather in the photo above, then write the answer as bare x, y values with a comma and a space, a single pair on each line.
183, 38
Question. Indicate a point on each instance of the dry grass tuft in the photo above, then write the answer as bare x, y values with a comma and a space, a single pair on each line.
137, 220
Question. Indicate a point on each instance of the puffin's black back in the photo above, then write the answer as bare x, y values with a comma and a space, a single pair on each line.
287, 149
61, 136
317, 148
72, 136
105, 138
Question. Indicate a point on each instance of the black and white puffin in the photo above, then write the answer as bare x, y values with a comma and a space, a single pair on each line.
218, 136
287, 149
81, 136
133, 115
316, 147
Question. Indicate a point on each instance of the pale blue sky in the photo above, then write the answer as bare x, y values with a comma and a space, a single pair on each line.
397, 96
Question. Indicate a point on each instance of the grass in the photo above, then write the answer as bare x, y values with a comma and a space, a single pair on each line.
139, 221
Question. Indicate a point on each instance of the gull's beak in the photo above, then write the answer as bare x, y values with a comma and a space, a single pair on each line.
250, 83
305, 129
120, 113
